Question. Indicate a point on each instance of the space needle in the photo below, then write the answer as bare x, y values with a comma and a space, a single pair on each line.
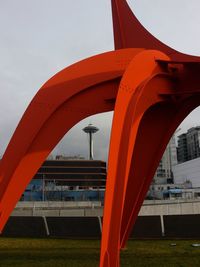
90, 130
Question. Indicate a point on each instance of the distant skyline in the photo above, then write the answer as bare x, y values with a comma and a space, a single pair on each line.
41, 37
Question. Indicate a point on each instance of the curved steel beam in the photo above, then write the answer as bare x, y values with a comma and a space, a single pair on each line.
164, 121
84, 89
137, 94
129, 32
151, 103
184, 97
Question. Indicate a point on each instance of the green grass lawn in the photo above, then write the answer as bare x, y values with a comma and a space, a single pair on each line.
18, 252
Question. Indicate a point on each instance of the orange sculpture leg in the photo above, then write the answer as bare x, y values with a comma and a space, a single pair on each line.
128, 32
84, 89
153, 135
179, 102
147, 112
137, 93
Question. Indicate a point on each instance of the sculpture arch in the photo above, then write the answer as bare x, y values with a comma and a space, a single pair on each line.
84, 89
151, 92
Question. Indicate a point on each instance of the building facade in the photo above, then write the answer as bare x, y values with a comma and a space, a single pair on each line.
188, 172
164, 172
182, 153
189, 145
68, 180
193, 142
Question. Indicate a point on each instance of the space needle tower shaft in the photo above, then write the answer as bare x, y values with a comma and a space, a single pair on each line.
90, 130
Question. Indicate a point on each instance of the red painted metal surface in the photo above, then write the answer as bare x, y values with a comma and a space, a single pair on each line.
86, 88
151, 89
129, 32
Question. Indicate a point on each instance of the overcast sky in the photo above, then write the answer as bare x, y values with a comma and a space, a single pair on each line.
40, 37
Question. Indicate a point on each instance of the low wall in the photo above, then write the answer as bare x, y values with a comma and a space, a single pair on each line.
92, 209
182, 226
167, 226
74, 227
25, 227
170, 208
157, 219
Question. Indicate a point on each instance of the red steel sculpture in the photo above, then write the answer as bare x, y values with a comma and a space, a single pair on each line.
151, 88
